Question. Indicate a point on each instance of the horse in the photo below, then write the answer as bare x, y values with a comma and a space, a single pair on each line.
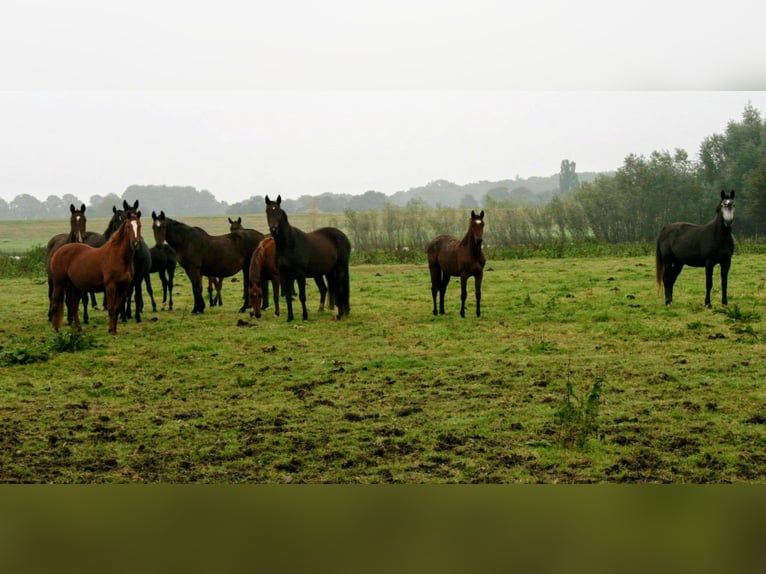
705, 246
263, 268
213, 255
325, 251
164, 262
449, 257
142, 261
84, 268
77, 225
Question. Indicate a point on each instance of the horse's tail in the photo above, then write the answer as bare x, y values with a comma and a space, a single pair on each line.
658, 267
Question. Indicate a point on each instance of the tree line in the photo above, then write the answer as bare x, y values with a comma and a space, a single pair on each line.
629, 205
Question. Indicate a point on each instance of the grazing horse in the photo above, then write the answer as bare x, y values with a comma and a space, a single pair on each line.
449, 257
263, 268
325, 251
84, 268
142, 261
77, 224
705, 246
213, 255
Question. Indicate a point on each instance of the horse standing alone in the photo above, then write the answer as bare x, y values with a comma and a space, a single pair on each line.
705, 246
449, 257
84, 268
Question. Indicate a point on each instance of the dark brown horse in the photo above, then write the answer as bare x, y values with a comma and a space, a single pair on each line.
77, 231
705, 246
84, 268
202, 254
325, 251
263, 268
451, 257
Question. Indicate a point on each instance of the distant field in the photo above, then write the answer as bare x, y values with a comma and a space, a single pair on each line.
19, 236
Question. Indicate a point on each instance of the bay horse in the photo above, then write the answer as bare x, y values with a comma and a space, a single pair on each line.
200, 253
705, 246
451, 257
142, 262
82, 268
325, 251
77, 231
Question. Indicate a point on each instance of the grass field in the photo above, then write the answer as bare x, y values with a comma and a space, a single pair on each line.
394, 394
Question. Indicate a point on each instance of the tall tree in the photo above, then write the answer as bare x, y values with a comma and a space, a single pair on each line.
568, 179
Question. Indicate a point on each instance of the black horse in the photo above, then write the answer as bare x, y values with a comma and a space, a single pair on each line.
200, 253
142, 262
705, 246
325, 251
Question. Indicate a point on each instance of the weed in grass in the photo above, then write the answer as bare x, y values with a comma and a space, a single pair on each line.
72, 341
577, 417
22, 355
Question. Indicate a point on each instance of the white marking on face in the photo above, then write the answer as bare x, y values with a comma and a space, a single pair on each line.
134, 225
157, 223
477, 222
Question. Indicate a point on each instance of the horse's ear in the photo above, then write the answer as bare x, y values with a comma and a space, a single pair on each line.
239, 219
279, 199
230, 221
135, 205
114, 210
481, 215
82, 208
154, 215
732, 194
473, 214
125, 204
138, 213
268, 201
71, 208
723, 194
162, 214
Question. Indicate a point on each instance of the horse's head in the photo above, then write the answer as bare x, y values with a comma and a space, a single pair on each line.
274, 214
132, 226
235, 225
159, 227
477, 227
77, 223
726, 207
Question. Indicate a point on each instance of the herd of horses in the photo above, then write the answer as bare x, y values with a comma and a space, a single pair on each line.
81, 263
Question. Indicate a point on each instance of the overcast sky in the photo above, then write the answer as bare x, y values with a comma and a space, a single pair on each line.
247, 98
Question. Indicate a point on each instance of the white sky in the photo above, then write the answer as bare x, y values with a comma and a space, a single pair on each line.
245, 98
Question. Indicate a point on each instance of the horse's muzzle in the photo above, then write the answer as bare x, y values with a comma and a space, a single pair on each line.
274, 231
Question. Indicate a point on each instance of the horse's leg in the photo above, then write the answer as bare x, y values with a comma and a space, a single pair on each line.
287, 288
302, 295
74, 304
85, 307
171, 274
218, 290
275, 289
138, 297
150, 291
477, 286
322, 291
56, 308
435, 284
709, 266
115, 299
265, 299
463, 293
670, 273
93, 302
245, 287
725, 264
196, 280
209, 292
445, 279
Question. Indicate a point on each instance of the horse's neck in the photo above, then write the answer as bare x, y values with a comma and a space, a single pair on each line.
719, 228
469, 241
177, 233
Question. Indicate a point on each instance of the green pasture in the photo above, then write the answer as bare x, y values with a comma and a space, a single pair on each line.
394, 394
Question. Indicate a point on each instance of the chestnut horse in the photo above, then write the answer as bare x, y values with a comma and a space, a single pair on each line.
705, 246
325, 251
213, 255
84, 268
449, 257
